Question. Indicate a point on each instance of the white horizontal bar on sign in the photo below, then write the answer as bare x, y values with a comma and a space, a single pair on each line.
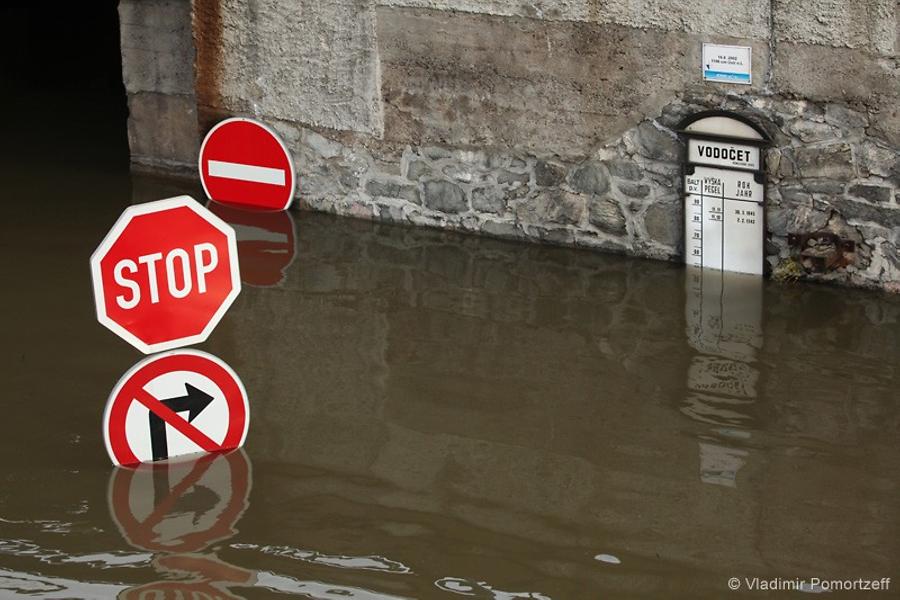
230, 170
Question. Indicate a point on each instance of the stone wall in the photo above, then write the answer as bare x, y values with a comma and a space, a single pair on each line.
548, 120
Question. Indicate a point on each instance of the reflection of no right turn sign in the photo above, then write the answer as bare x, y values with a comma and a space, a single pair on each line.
181, 506
172, 404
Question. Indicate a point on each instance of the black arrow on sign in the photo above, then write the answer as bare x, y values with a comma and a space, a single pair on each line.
194, 402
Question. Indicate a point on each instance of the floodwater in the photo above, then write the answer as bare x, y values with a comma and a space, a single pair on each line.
442, 416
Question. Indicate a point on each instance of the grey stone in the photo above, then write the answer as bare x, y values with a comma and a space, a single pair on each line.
590, 178
409, 193
795, 194
489, 199
845, 118
607, 215
657, 144
860, 211
417, 169
833, 161
504, 229
664, 223
824, 186
625, 169
382, 188
635, 190
435, 152
445, 197
548, 174
387, 189
552, 206
559, 237
508, 177
810, 131
872, 193
875, 159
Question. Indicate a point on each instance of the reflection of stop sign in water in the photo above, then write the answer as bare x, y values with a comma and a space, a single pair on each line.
245, 163
266, 242
165, 274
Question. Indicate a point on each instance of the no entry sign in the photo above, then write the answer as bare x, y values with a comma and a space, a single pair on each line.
176, 403
244, 163
165, 274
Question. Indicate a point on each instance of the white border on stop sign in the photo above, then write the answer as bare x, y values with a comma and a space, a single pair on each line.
117, 229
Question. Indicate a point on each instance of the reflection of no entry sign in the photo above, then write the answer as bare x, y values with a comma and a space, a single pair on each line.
266, 242
245, 163
181, 506
172, 404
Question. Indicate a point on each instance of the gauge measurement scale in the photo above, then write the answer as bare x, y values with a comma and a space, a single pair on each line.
724, 220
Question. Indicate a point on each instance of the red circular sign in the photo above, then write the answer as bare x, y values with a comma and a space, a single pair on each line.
165, 274
168, 385
244, 163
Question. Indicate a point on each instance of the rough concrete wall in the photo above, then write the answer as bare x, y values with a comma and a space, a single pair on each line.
158, 71
552, 120
312, 61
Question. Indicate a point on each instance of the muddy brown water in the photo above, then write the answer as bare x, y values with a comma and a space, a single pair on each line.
441, 416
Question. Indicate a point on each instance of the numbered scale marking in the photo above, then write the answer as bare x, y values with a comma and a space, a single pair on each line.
724, 220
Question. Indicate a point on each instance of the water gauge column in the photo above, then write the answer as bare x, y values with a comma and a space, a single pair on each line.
724, 192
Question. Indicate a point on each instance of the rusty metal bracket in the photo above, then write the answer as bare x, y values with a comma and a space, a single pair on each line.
822, 250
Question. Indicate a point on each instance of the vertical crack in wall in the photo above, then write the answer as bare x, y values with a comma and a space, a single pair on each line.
770, 73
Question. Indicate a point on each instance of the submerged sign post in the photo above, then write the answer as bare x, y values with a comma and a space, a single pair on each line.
724, 193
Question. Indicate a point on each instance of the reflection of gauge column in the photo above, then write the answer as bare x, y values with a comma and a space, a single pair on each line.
180, 506
723, 314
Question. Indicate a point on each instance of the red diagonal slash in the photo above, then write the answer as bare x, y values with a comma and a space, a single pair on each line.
197, 471
171, 417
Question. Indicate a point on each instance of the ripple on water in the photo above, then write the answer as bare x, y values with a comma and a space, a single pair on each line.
365, 563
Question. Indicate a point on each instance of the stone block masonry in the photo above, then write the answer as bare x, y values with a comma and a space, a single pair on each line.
547, 121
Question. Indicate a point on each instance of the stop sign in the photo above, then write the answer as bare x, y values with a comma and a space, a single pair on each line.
165, 274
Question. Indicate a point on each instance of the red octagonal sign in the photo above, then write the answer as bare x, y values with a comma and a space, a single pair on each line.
165, 274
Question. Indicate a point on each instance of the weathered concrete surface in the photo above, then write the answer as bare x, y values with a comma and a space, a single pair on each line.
312, 61
162, 130
750, 18
156, 43
157, 69
869, 25
463, 79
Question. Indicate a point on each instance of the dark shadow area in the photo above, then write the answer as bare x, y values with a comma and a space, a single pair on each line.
63, 99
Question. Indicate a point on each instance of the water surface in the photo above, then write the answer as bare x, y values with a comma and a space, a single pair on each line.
441, 416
